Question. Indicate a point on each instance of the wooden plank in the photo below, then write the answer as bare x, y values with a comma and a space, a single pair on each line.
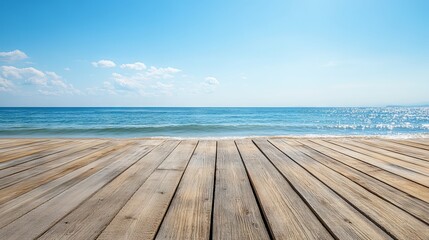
414, 206
6, 144
343, 221
394, 180
141, 216
421, 143
12, 167
179, 159
189, 215
92, 216
27, 185
23, 144
400, 149
36, 156
412, 163
287, 215
40, 219
24, 203
27, 170
236, 214
393, 220
388, 159
383, 164
30, 150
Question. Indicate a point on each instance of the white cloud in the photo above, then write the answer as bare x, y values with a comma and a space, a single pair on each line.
5, 85
167, 72
164, 88
67, 69
212, 81
29, 75
121, 82
104, 64
139, 66
47, 83
14, 55
209, 84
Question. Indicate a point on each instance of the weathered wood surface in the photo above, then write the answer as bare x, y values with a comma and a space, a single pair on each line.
280, 188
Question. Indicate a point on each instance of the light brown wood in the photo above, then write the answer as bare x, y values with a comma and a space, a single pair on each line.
36, 148
16, 174
421, 143
54, 155
28, 184
340, 217
40, 219
415, 206
413, 164
92, 216
236, 212
278, 188
392, 219
6, 144
388, 165
287, 215
189, 215
401, 150
399, 182
34, 198
141, 216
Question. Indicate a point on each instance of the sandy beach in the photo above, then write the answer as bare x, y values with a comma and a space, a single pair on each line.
250, 188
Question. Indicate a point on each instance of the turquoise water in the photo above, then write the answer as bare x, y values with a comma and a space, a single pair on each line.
212, 122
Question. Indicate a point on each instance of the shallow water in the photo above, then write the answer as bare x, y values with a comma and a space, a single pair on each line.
212, 122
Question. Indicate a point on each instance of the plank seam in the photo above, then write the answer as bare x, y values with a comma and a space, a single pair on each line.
378, 168
407, 169
369, 190
255, 194
107, 224
53, 224
297, 192
175, 191
345, 199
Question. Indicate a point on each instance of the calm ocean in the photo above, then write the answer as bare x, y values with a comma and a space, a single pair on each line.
212, 122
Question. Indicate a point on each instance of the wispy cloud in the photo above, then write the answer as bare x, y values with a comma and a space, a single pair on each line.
46, 83
139, 66
167, 72
14, 55
28, 75
140, 82
104, 64
121, 82
5, 85
163, 88
212, 81
210, 84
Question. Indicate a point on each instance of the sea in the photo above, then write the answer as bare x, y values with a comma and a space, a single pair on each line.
216, 122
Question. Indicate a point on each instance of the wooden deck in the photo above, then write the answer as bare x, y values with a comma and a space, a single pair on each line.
280, 188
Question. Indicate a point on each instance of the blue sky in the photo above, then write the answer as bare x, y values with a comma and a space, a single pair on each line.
214, 53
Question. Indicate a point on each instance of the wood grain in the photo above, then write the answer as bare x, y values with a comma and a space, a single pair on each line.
240, 218
274, 188
392, 219
338, 215
141, 217
91, 217
189, 215
287, 214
